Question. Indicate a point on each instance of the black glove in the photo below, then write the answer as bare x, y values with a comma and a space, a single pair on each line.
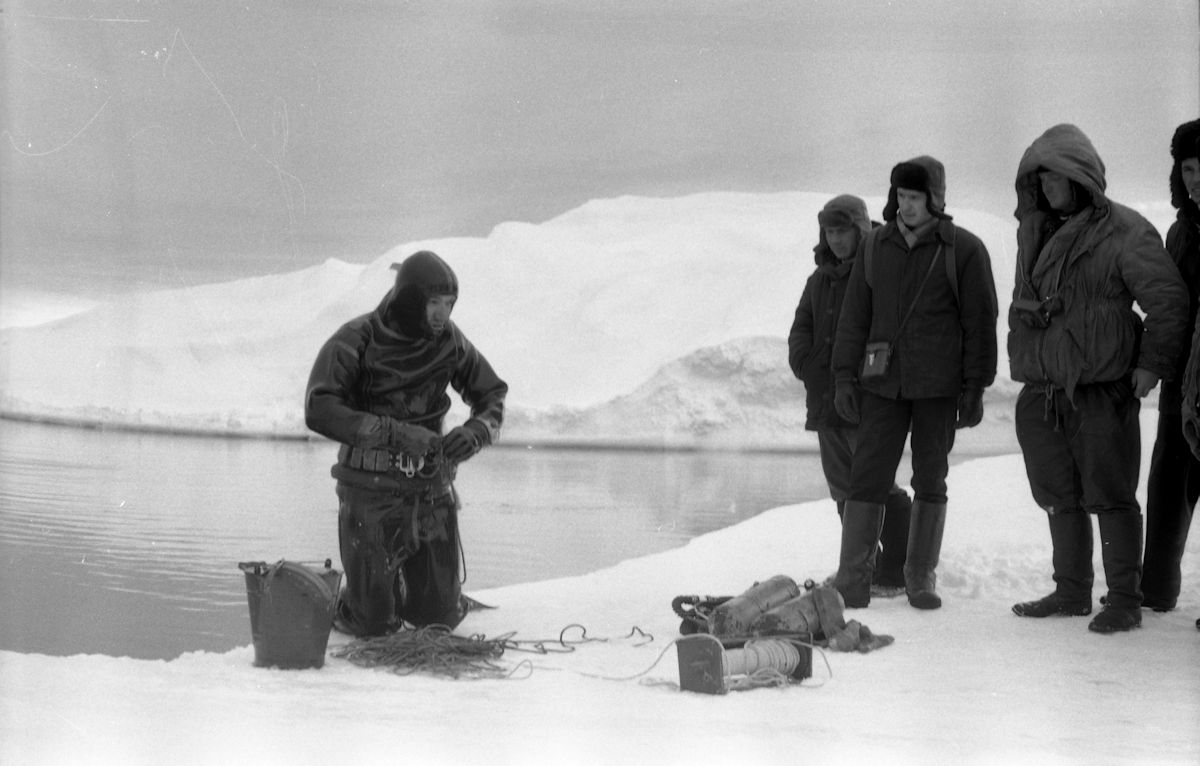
463, 441
970, 407
845, 400
410, 439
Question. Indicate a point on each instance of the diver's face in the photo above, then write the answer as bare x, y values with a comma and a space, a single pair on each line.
437, 312
1190, 169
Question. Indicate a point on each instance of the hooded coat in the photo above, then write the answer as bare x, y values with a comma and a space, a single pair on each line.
810, 342
388, 364
1088, 270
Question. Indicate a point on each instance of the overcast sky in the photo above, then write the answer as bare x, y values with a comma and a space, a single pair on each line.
174, 139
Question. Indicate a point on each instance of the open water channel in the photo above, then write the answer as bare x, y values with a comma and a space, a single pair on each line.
127, 543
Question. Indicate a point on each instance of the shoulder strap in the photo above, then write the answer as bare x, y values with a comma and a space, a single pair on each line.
916, 297
868, 248
951, 265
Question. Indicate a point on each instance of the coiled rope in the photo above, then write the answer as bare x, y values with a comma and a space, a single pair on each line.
435, 650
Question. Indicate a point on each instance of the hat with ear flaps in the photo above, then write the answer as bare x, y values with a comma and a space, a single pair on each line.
923, 174
419, 277
842, 212
1185, 145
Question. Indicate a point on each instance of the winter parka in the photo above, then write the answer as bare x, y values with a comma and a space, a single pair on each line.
1183, 245
810, 342
383, 364
1087, 273
948, 343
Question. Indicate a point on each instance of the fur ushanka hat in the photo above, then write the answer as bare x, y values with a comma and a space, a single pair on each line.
1185, 144
924, 174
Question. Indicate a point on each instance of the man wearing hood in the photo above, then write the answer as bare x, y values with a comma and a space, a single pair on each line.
1087, 359
928, 294
843, 222
378, 387
1174, 482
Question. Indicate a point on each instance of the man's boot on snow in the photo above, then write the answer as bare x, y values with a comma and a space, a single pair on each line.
1071, 538
889, 570
1166, 539
856, 565
1121, 551
924, 548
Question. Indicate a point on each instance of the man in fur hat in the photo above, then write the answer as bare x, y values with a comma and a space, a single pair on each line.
928, 295
1174, 482
1087, 359
378, 386
842, 222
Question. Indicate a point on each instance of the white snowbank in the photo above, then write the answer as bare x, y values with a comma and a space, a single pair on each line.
970, 683
574, 313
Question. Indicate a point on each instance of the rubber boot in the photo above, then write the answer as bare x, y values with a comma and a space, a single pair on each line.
856, 564
1071, 538
896, 520
1121, 551
924, 548
1166, 539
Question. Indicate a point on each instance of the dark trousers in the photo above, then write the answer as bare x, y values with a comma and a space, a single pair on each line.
883, 429
1085, 455
400, 555
1082, 455
838, 446
1172, 490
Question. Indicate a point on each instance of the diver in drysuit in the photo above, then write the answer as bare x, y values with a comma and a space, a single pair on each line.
379, 387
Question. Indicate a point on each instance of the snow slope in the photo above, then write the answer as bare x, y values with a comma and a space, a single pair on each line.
579, 314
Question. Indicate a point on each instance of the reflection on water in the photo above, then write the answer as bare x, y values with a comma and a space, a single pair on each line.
127, 544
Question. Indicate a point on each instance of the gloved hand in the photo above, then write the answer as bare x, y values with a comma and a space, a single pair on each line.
463, 441
845, 400
970, 407
1144, 382
412, 440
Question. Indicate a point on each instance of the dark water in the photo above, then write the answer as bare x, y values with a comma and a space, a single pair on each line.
128, 544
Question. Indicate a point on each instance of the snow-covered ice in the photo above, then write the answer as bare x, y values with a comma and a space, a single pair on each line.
671, 313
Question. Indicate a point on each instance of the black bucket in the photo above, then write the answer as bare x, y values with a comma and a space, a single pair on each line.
291, 612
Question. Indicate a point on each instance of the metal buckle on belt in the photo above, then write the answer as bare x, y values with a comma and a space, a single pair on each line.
408, 465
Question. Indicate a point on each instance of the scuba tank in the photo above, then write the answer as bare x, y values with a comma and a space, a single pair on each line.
818, 613
736, 616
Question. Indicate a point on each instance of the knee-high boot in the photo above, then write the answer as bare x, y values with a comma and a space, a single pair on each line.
1121, 551
924, 548
1071, 538
856, 565
889, 571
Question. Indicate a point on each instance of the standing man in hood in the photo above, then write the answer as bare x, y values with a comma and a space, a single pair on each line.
1087, 359
1174, 483
928, 294
843, 223
378, 387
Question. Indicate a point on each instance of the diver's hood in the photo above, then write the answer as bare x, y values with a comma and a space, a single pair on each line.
419, 277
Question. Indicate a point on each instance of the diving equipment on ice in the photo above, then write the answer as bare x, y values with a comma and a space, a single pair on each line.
778, 607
